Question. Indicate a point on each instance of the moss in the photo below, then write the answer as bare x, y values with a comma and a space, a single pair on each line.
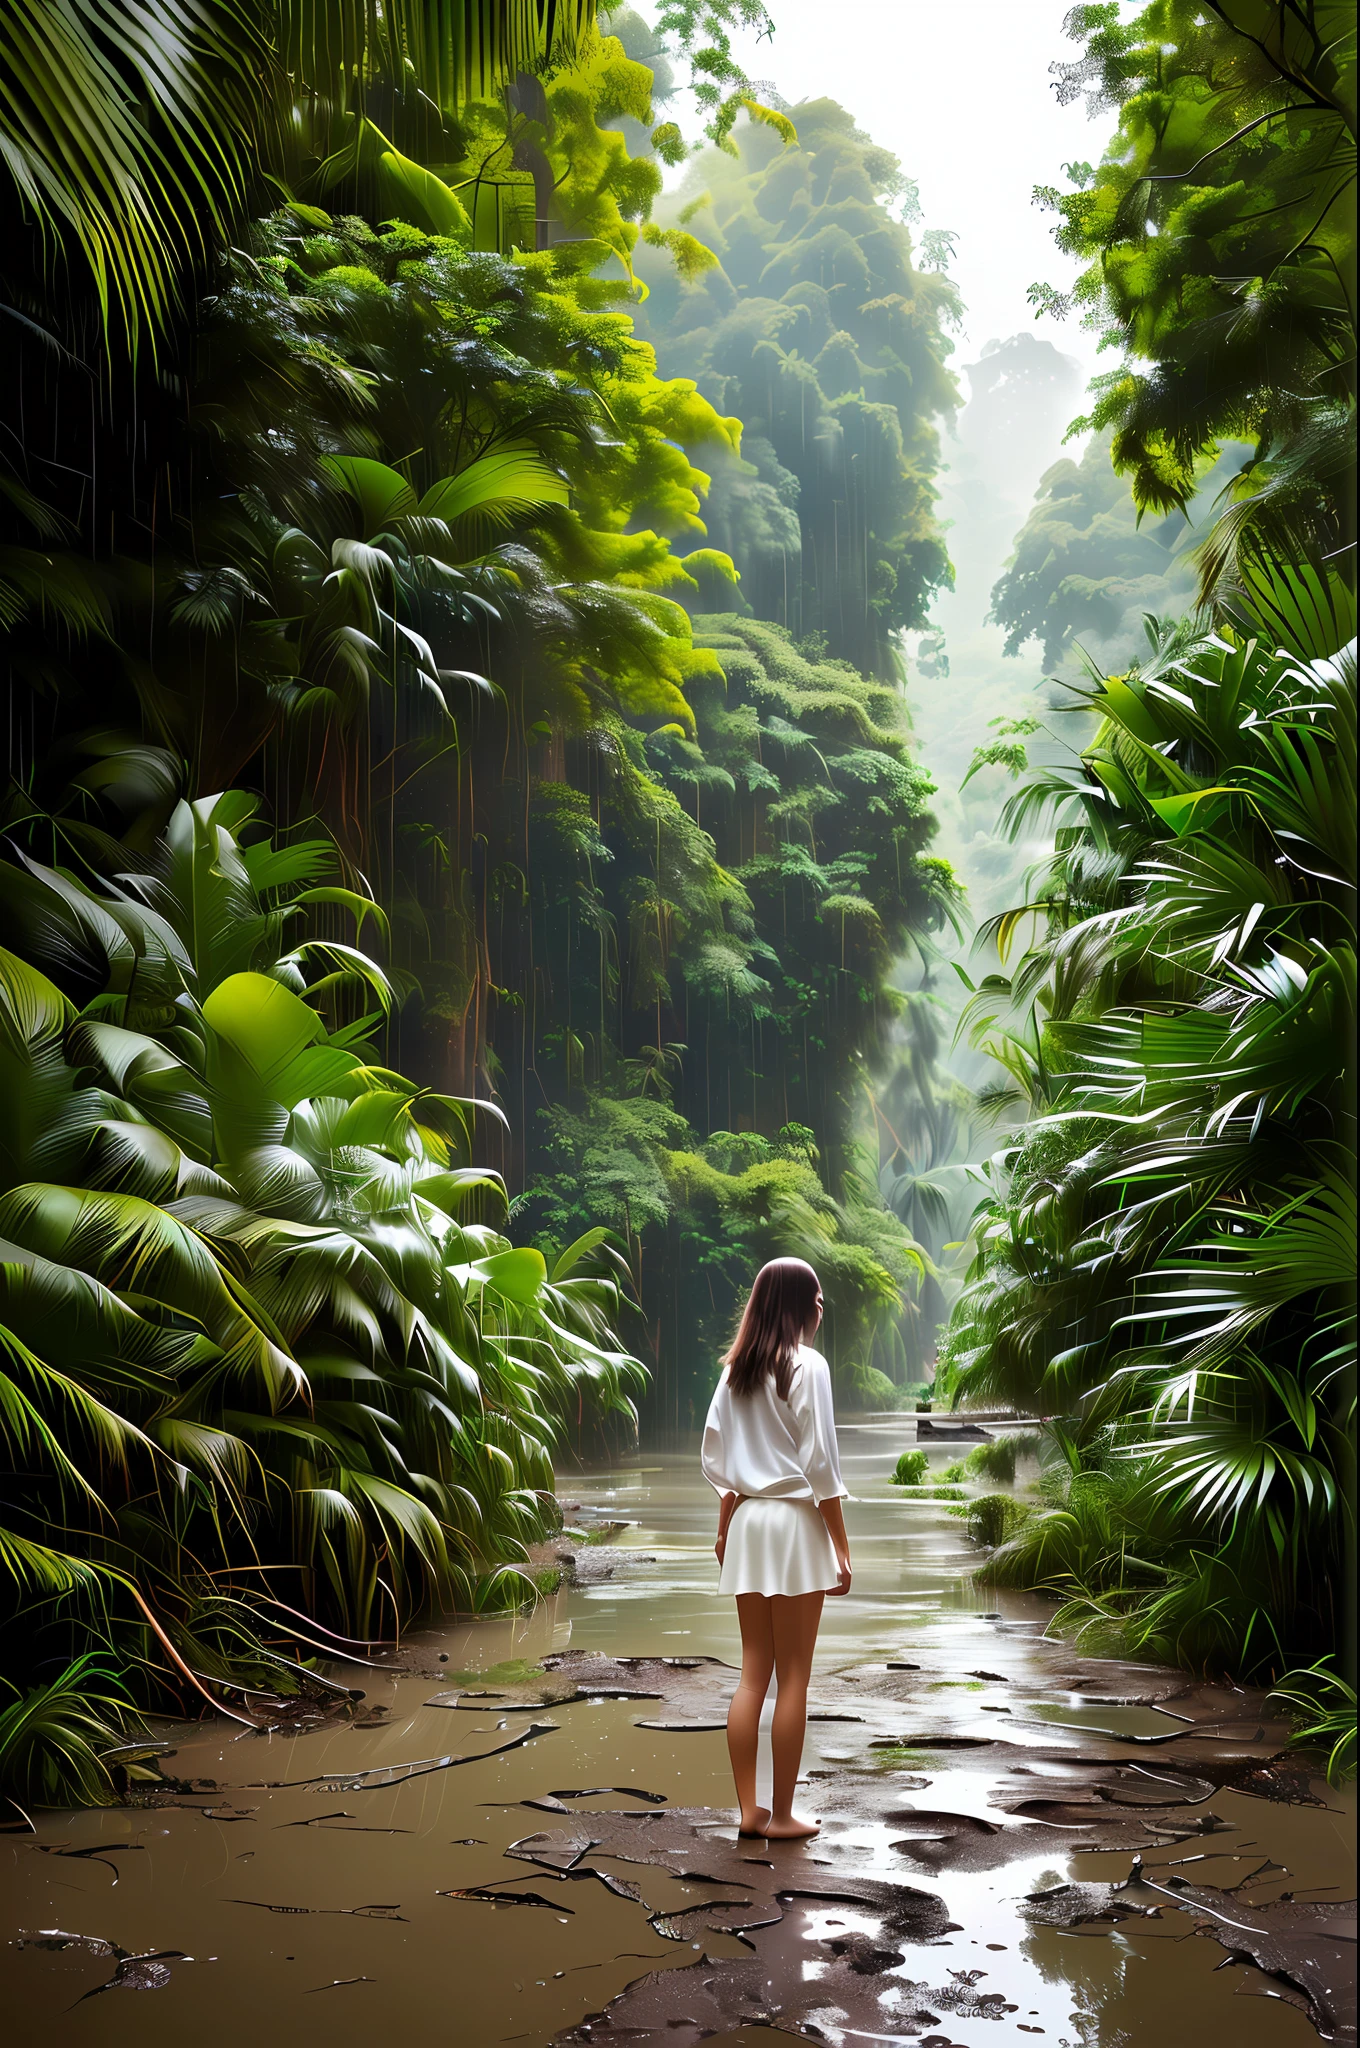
514, 1672
605, 1533
897, 1757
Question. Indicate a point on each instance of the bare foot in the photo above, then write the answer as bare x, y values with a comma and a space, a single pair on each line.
791, 1830
756, 1822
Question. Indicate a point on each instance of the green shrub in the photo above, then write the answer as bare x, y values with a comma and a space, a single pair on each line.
372, 1428
1322, 1706
994, 1460
1215, 1332
864, 1386
910, 1469
1131, 1578
53, 1738
994, 1518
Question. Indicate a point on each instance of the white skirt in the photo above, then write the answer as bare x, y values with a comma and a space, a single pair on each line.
778, 1546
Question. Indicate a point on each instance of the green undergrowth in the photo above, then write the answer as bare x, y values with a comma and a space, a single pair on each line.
996, 1459
1322, 1706
1165, 1255
1101, 1536
994, 1517
53, 1739
275, 1376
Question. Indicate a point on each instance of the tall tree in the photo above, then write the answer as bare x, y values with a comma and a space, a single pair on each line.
825, 331
1219, 231
727, 1001
1086, 568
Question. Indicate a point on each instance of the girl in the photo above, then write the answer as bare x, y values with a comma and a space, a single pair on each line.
770, 1453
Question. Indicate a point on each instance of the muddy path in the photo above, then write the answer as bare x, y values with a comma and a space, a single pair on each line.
528, 1836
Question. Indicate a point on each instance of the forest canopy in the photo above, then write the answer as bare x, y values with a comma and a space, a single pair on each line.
826, 331
1219, 234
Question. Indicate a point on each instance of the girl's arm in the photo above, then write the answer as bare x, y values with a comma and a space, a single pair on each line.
727, 1507
831, 1514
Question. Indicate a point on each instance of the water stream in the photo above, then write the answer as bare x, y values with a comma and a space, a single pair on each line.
253, 1926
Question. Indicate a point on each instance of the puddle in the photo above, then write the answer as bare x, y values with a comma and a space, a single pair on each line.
1102, 1717
226, 1903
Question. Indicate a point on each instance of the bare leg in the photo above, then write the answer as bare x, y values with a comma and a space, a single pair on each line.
743, 1715
794, 1622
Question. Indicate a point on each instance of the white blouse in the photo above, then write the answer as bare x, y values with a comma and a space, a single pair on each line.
764, 1448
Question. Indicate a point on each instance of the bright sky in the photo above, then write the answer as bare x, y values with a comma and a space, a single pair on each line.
960, 91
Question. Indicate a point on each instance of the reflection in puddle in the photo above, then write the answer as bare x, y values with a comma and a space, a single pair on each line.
1153, 1722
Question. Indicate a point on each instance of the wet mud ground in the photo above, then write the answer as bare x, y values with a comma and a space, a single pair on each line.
554, 1861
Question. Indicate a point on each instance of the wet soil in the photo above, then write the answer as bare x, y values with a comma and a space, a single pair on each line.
531, 1841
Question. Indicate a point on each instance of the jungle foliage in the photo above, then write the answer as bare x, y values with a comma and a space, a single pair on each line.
1086, 570
824, 323
824, 329
451, 631
261, 1359
357, 731
711, 1030
1219, 233
1166, 1256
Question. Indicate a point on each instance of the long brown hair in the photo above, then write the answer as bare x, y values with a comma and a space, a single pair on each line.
780, 1311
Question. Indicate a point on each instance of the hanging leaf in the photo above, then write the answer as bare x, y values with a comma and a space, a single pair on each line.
1305, 610
435, 205
498, 487
518, 1275
383, 495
